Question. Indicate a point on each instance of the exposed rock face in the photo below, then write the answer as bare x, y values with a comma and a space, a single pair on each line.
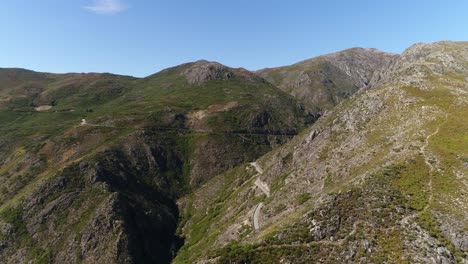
423, 60
118, 208
322, 82
359, 63
200, 72
203, 71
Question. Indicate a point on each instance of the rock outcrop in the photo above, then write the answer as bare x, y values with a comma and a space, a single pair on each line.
200, 72
203, 71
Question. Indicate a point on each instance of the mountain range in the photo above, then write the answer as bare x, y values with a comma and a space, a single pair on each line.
359, 156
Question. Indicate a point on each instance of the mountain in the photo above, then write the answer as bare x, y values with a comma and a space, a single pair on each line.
322, 82
91, 165
381, 178
353, 157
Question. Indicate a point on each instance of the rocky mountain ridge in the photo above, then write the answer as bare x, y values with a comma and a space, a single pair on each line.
379, 179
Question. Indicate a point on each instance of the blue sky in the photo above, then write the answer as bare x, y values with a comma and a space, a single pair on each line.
140, 37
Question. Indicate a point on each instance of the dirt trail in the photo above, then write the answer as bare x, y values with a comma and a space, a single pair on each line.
85, 123
430, 160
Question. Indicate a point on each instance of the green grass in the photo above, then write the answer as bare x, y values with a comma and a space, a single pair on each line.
302, 198
450, 145
236, 253
14, 216
390, 247
278, 183
413, 183
41, 256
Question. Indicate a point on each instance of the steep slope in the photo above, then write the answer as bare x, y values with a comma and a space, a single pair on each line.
91, 165
322, 82
234, 114
382, 178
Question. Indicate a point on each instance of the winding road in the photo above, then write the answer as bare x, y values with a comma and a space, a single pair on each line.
265, 189
257, 167
256, 216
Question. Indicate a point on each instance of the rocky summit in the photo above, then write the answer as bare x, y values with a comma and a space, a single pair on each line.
359, 156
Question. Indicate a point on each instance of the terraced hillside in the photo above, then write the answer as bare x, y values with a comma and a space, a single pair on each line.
382, 178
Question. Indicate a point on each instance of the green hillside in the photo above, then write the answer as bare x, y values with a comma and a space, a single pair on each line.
80, 148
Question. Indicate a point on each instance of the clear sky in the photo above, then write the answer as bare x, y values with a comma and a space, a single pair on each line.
141, 37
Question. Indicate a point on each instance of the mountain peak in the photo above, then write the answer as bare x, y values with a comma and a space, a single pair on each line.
425, 60
202, 71
324, 81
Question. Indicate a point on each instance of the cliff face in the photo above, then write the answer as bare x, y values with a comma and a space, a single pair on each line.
380, 178
115, 206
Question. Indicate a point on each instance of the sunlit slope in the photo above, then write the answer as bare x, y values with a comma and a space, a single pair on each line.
381, 178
